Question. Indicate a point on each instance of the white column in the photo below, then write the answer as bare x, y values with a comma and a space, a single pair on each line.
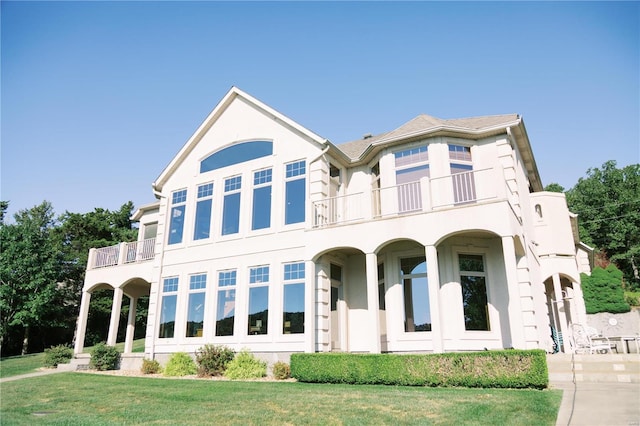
115, 316
516, 326
578, 303
373, 304
81, 326
131, 325
309, 303
433, 278
559, 307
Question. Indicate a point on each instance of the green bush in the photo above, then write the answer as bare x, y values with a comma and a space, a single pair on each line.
104, 357
603, 292
632, 298
150, 366
488, 369
212, 360
55, 355
180, 364
281, 370
245, 366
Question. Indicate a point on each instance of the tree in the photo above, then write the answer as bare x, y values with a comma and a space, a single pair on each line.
554, 187
603, 291
607, 202
30, 293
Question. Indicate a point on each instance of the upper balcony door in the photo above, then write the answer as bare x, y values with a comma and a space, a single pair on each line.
461, 165
335, 202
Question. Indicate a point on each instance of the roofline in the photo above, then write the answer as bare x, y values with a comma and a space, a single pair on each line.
146, 207
224, 103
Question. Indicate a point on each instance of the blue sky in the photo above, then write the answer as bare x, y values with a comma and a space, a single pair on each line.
97, 97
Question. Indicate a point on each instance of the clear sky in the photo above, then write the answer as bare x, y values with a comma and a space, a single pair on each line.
97, 97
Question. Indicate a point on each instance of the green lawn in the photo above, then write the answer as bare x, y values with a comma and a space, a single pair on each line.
81, 398
15, 365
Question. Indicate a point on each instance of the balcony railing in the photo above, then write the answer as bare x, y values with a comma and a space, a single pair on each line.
341, 209
123, 253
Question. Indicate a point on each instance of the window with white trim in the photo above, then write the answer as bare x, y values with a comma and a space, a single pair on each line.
168, 308
258, 300
461, 166
261, 214
195, 309
411, 166
473, 281
231, 205
202, 226
176, 223
295, 192
293, 304
226, 308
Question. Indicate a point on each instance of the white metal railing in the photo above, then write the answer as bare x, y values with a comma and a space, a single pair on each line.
463, 188
398, 199
123, 253
341, 209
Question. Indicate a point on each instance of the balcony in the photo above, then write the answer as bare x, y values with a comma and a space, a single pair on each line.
423, 196
122, 254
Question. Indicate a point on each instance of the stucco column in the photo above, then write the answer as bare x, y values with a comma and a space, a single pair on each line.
81, 325
433, 278
578, 303
131, 325
516, 327
311, 276
115, 316
373, 304
559, 308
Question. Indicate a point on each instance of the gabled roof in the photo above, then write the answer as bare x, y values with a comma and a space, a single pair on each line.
227, 100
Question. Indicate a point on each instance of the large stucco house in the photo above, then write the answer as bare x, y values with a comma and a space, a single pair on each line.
434, 237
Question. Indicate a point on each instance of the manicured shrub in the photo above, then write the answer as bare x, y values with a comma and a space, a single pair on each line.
150, 366
281, 370
491, 369
104, 357
55, 355
632, 298
245, 366
212, 360
180, 364
603, 292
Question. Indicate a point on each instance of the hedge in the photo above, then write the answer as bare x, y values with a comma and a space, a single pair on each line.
488, 369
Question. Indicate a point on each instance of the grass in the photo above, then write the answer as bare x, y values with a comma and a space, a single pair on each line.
92, 399
16, 365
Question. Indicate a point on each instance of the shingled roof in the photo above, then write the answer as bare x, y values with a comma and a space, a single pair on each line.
424, 124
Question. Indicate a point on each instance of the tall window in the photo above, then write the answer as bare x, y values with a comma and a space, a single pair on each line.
416, 294
295, 188
231, 209
293, 307
226, 311
176, 224
195, 311
261, 215
168, 307
464, 187
474, 292
203, 212
381, 291
258, 299
411, 165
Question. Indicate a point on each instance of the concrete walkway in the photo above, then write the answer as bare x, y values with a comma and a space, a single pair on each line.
593, 404
45, 372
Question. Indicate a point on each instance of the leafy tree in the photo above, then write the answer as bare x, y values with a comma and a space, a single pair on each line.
30, 292
608, 204
603, 291
554, 187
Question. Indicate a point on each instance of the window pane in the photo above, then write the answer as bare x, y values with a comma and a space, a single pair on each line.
203, 220
416, 294
197, 282
471, 262
226, 278
295, 169
412, 174
226, 312
293, 309
170, 284
294, 271
179, 197
195, 315
231, 214
236, 154
474, 299
176, 225
261, 217
167, 316
295, 201
258, 309
259, 274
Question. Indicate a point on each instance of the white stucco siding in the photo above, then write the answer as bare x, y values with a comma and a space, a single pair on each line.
552, 226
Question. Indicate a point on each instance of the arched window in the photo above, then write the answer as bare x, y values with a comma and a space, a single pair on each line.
538, 211
235, 154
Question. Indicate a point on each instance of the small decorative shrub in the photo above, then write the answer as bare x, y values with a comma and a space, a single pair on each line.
632, 298
281, 370
150, 366
104, 357
212, 360
55, 355
180, 364
245, 366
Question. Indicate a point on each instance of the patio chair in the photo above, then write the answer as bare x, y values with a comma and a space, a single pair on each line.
586, 339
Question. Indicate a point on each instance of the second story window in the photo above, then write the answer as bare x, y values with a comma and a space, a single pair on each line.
261, 214
231, 207
176, 224
411, 164
464, 188
168, 307
203, 212
295, 192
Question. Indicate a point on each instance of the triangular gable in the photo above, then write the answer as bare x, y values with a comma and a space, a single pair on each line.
211, 119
